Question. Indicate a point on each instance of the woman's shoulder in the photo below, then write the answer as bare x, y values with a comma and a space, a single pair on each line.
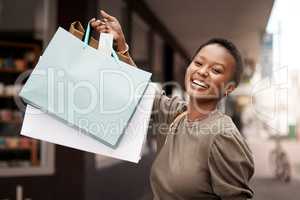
229, 138
223, 124
224, 132
217, 123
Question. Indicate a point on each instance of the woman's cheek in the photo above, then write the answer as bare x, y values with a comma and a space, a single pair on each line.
187, 77
218, 85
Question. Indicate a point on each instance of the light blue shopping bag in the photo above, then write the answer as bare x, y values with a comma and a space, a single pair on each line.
86, 89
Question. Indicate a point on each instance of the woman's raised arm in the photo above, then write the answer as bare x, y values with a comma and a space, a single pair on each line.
110, 24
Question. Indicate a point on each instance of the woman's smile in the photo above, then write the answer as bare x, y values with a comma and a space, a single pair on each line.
199, 84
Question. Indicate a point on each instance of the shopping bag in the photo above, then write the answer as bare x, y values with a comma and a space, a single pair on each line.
84, 88
78, 31
42, 126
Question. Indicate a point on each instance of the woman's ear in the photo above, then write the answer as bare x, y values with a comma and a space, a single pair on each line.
230, 87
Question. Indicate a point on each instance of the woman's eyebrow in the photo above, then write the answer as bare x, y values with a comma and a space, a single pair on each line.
202, 57
214, 62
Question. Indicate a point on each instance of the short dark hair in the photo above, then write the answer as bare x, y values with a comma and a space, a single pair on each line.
233, 50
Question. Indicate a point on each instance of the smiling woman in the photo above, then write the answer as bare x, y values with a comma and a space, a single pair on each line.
201, 154
214, 72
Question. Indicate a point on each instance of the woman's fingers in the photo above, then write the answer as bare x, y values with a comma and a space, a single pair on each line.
102, 28
108, 24
92, 20
95, 23
99, 25
107, 16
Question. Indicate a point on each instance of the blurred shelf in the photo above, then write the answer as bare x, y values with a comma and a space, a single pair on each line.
8, 96
23, 56
14, 154
11, 122
11, 133
11, 70
36, 45
7, 150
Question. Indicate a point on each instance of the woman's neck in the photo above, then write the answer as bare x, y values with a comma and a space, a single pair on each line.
200, 109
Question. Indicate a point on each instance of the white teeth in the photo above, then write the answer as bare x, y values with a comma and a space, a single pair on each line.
200, 83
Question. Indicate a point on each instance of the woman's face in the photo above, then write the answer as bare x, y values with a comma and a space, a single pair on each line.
210, 73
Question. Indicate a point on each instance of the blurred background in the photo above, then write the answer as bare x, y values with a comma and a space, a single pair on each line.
163, 36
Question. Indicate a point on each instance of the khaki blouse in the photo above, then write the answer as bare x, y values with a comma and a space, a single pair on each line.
206, 159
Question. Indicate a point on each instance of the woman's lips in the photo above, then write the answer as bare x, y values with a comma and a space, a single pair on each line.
198, 84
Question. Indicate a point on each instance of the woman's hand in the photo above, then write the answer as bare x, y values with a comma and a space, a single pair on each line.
110, 24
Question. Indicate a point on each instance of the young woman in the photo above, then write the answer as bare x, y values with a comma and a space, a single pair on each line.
201, 154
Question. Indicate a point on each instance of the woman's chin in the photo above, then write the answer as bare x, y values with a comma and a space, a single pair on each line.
201, 94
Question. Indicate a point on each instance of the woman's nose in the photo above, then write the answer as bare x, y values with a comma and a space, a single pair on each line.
203, 71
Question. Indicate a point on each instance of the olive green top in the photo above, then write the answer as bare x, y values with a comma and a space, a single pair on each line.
206, 159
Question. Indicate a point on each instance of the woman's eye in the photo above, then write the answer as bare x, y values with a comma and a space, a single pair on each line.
216, 71
198, 64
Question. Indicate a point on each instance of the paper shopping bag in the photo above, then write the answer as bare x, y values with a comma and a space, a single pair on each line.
78, 31
84, 88
42, 126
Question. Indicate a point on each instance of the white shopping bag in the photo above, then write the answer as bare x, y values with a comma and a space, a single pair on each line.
44, 127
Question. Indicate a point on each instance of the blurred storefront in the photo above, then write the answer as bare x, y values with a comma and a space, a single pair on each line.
162, 36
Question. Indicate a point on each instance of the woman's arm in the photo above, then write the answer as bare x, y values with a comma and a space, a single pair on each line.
110, 24
231, 166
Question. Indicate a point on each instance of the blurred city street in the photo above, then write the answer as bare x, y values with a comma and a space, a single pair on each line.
265, 186
271, 189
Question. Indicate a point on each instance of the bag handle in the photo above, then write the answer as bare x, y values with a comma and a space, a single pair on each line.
87, 34
86, 39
